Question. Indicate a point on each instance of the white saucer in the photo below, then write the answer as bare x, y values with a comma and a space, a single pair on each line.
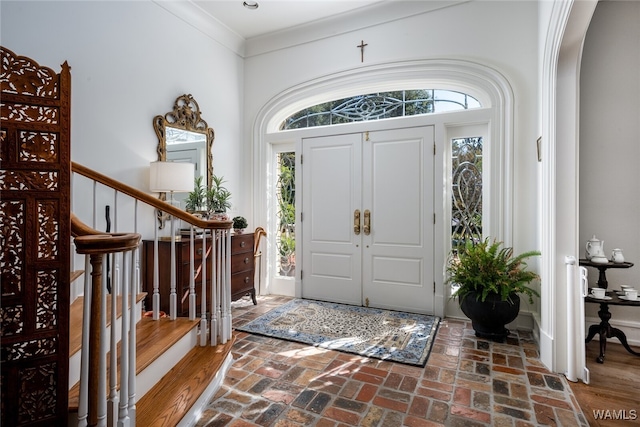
604, 298
627, 299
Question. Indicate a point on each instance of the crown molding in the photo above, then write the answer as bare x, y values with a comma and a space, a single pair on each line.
211, 27
355, 20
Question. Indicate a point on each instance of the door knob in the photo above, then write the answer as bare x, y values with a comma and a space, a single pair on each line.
367, 222
356, 221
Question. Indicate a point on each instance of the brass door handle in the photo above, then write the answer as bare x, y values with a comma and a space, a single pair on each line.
367, 222
356, 221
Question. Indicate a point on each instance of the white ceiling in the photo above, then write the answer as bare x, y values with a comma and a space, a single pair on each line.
275, 15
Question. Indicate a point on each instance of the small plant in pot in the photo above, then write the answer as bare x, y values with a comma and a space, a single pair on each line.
239, 224
218, 199
195, 199
489, 280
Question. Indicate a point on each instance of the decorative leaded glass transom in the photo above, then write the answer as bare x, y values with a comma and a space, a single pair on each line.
381, 105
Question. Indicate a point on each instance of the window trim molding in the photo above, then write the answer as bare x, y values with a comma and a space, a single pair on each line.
486, 84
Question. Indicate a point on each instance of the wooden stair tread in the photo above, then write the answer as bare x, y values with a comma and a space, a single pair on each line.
75, 320
154, 337
168, 401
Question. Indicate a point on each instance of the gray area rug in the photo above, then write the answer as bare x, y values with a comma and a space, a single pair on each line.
381, 334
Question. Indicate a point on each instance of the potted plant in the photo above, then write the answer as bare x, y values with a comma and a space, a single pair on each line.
239, 224
218, 199
489, 280
195, 199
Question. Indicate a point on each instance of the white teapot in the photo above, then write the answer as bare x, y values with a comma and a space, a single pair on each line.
594, 248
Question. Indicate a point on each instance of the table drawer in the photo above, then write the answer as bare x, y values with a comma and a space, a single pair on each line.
241, 262
241, 243
241, 282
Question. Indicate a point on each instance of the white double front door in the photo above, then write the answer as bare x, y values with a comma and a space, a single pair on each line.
367, 219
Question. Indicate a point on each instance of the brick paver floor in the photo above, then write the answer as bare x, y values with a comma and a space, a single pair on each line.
466, 382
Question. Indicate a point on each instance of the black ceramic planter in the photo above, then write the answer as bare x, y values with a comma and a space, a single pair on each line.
489, 317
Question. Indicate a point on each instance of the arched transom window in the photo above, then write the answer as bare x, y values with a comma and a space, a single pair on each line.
380, 105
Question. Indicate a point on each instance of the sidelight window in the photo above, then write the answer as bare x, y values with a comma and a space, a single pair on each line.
466, 194
286, 213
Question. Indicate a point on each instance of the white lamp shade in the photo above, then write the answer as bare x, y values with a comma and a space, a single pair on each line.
174, 177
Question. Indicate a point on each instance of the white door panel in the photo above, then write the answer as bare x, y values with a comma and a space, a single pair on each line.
397, 270
331, 262
332, 266
398, 254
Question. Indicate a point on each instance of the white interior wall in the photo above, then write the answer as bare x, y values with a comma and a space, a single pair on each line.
609, 147
501, 35
129, 62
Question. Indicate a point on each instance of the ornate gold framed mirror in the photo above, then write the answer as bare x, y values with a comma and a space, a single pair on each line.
183, 136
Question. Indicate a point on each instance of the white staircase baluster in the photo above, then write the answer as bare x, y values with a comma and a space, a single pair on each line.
155, 301
123, 413
215, 277
173, 296
226, 323
83, 399
137, 258
102, 371
203, 297
112, 405
222, 275
133, 321
95, 206
192, 279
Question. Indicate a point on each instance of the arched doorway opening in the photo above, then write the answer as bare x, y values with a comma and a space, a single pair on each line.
487, 85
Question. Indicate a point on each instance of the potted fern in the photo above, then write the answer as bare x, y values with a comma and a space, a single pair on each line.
489, 279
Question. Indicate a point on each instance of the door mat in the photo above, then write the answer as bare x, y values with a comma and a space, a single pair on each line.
381, 334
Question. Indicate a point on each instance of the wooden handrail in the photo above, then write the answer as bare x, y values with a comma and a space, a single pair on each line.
91, 241
79, 228
107, 243
148, 199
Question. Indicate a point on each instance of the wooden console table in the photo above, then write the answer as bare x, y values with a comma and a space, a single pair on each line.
242, 271
604, 328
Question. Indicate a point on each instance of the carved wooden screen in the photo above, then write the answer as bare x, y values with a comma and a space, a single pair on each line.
35, 239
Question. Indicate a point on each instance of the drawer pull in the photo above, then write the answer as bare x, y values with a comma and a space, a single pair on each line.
199, 252
246, 260
243, 244
246, 279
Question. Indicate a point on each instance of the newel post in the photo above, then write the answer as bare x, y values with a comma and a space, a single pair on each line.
95, 328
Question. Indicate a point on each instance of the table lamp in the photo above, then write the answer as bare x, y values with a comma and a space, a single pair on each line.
171, 177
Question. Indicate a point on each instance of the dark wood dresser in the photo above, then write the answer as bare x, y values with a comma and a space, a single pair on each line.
242, 271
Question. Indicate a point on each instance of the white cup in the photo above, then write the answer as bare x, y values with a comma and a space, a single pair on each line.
598, 292
625, 287
631, 294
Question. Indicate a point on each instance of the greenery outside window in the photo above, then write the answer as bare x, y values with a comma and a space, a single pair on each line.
286, 214
466, 191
